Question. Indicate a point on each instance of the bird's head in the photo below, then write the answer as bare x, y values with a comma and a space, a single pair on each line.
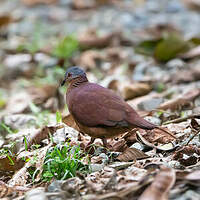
73, 73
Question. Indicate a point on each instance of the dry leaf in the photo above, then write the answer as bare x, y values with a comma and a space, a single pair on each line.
69, 121
89, 59
41, 94
161, 185
91, 40
192, 53
10, 163
37, 137
5, 20
177, 103
83, 4
195, 125
130, 91
21, 176
34, 2
165, 147
132, 154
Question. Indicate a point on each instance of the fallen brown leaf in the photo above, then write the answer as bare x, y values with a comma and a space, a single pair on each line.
10, 163
89, 59
161, 185
35, 2
192, 53
5, 20
90, 39
131, 154
37, 137
177, 103
69, 121
130, 91
83, 4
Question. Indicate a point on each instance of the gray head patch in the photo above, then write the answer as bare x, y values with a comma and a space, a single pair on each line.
75, 71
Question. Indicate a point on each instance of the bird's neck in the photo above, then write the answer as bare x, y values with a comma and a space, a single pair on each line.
78, 81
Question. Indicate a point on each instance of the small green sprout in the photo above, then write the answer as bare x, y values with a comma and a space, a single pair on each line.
62, 162
58, 117
66, 47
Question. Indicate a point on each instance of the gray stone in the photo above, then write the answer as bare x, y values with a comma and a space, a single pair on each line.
150, 104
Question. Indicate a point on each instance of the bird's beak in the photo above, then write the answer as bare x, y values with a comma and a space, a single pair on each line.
63, 82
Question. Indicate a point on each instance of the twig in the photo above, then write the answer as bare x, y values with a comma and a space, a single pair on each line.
182, 119
165, 131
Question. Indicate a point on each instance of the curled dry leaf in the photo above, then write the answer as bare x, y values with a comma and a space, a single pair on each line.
188, 150
89, 59
132, 154
91, 40
186, 155
166, 147
37, 137
134, 90
10, 163
34, 2
69, 121
161, 185
21, 176
5, 190
193, 4
192, 53
41, 94
189, 75
158, 136
195, 125
5, 20
119, 145
83, 4
185, 100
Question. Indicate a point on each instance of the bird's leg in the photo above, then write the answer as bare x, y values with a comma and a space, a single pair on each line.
88, 147
105, 143
90, 142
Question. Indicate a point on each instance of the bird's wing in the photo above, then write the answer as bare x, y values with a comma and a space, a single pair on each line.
99, 107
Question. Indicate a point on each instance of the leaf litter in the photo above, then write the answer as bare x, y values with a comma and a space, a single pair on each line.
154, 67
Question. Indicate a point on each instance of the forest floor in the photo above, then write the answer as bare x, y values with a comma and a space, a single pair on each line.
148, 52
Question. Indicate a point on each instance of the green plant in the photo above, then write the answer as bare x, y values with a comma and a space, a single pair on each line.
4, 129
58, 117
8, 154
66, 47
63, 162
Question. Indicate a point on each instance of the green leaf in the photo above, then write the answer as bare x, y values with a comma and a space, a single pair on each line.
170, 47
58, 117
66, 47
147, 47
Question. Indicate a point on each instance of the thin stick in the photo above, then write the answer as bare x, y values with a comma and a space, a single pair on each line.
162, 129
182, 119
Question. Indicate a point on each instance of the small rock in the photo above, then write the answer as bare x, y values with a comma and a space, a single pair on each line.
153, 120
150, 104
55, 186
17, 121
96, 167
175, 63
36, 193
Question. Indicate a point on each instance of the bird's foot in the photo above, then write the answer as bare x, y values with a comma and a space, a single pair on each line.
106, 145
89, 147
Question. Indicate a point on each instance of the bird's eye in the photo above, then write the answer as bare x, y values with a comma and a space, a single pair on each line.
69, 75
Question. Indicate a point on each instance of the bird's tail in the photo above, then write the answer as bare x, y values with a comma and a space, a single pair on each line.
144, 124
